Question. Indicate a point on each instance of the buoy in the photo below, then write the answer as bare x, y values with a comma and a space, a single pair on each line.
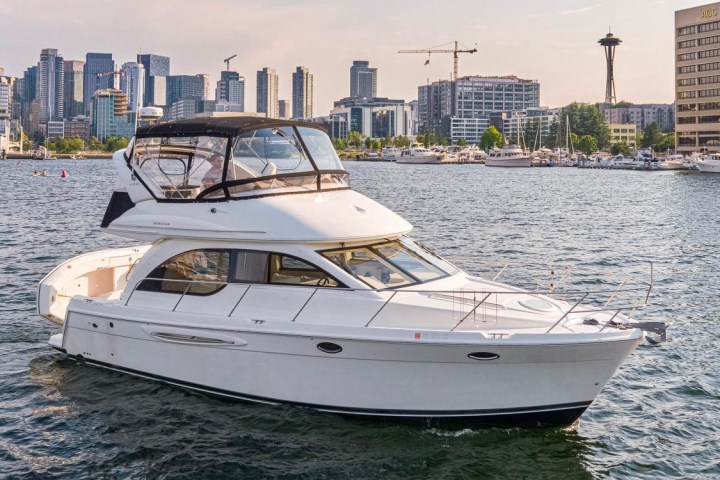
63, 174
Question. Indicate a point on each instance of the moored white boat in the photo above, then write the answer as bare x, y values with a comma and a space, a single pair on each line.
419, 155
709, 164
508, 156
273, 282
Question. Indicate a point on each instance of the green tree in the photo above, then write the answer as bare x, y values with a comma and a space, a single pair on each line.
402, 142
622, 104
75, 144
668, 143
376, 145
354, 138
429, 140
339, 143
26, 143
491, 138
420, 139
584, 120
621, 148
652, 136
113, 143
94, 145
461, 142
368, 142
587, 144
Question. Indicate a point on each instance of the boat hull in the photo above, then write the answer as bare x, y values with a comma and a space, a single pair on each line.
508, 162
706, 167
430, 159
530, 384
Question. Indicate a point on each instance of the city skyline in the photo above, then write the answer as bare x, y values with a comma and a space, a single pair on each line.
568, 63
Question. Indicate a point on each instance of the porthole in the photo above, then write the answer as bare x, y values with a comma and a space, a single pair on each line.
329, 347
483, 356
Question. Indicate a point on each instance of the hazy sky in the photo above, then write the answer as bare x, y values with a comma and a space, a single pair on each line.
552, 41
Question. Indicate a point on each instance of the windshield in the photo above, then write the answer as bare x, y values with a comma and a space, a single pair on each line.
283, 159
391, 264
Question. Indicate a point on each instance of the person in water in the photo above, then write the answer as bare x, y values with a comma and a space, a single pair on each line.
44, 173
35, 173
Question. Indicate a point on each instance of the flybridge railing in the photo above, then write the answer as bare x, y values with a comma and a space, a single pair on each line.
483, 307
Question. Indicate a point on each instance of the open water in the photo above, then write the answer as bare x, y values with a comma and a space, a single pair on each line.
659, 417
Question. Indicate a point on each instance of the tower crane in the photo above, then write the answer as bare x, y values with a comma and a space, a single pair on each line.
227, 62
454, 51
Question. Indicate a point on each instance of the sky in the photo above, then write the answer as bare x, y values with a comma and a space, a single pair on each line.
552, 41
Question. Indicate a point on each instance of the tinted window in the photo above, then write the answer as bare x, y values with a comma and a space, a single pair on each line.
250, 267
293, 271
197, 272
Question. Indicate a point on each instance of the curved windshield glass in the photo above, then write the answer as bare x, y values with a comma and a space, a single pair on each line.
391, 264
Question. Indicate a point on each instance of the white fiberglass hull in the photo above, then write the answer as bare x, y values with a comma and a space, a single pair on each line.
708, 167
509, 162
543, 381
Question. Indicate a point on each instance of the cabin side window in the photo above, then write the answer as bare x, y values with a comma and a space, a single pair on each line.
197, 272
286, 270
204, 272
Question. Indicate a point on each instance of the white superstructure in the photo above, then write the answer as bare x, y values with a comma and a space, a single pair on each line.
508, 156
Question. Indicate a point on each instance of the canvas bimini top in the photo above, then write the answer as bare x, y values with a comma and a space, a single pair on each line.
218, 159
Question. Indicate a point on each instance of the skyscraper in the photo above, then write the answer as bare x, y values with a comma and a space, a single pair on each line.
267, 92
98, 73
73, 89
283, 109
50, 85
132, 83
302, 93
183, 87
363, 80
155, 66
231, 88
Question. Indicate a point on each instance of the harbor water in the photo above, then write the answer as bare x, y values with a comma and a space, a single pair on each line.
659, 417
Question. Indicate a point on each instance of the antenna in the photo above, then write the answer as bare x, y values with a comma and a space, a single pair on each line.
227, 62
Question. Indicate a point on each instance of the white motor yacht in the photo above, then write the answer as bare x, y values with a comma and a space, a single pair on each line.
508, 156
266, 278
419, 155
709, 163
390, 154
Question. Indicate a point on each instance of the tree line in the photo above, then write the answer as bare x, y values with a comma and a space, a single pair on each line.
77, 144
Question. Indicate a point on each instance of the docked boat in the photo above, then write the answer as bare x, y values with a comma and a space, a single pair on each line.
419, 155
508, 156
390, 154
266, 278
709, 163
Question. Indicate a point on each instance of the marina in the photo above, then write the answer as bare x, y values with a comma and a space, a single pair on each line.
81, 408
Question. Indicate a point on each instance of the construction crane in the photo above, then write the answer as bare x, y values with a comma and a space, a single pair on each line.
227, 62
454, 51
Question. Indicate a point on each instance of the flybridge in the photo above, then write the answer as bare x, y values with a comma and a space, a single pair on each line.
218, 159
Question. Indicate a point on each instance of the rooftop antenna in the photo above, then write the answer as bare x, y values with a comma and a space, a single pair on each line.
227, 62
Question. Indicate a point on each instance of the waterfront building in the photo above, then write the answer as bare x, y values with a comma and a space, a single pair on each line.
231, 88
302, 94
623, 133
156, 69
73, 88
697, 78
267, 92
453, 108
50, 85
642, 115
183, 87
363, 80
98, 73
227, 107
78, 127
55, 129
6, 97
375, 118
109, 115
132, 82
283, 109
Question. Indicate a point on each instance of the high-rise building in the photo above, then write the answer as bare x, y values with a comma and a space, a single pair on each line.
98, 73
467, 102
267, 92
363, 80
154, 66
302, 93
231, 88
642, 115
50, 85
73, 89
109, 114
6, 97
132, 83
376, 117
182, 87
697, 81
283, 109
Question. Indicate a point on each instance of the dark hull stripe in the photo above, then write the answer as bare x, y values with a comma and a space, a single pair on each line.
542, 415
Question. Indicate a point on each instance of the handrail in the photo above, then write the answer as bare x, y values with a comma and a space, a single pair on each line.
456, 295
